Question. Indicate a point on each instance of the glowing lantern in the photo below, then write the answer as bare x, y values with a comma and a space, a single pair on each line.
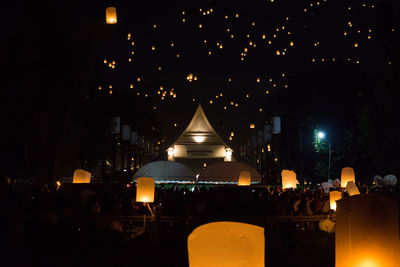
288, 179
347, 175
367, 232
81, 177
352, 189
228, 154
333, 197
230, 244
145, 189
111, 15
244, 178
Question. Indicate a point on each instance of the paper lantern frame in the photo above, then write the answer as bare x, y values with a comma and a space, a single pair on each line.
288, 179
111, 15
367, 232
224, 243
145, 187
81, 177
347, 176
244, 178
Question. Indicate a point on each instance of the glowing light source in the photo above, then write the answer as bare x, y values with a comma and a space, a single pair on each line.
231, 244
199, 138
81, 177
111, 15
228, 154
244, 178
145, 190
367, 232
347, 175
288, 179
333, 197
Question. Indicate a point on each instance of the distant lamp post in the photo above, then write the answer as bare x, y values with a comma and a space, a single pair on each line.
321, 135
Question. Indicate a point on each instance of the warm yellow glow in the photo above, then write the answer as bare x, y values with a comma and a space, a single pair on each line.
244, 178
111, 15
252, 126
145, 190
333, 197
288, 179
367, 232
226, 244
352, 189
347, 175
199, 139
81, 177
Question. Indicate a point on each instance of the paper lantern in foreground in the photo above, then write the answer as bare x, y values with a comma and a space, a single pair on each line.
244, 178
81, 177
367, 232
347, 175
230, 244
145, 189
288, 179
111, 15
333, 197
352, 189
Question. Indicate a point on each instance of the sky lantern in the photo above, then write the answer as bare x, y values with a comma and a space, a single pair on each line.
230, 244
244, 178
347, 175
111, 15
333, 197
367, 232
352, 189
81, 177
288, 179
145, 189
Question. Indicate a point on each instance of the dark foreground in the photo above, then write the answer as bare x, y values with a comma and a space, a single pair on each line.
48, 245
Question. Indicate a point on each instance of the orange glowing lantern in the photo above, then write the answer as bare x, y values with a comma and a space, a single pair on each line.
81, 177
367, 232
244, 178
352, 189
230, 244
333, 197
347, 175
111, 15
145, 190
288, 179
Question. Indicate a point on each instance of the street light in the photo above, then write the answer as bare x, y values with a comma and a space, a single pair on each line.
322, 135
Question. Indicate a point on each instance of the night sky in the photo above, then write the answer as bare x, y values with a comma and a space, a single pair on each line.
245, 54
252, 59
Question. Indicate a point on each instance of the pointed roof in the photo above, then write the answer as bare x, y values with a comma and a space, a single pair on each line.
199, 127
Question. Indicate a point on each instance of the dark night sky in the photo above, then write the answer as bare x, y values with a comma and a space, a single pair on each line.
317, 34
55, 53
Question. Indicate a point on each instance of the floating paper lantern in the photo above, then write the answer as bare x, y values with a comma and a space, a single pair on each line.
347, 175
333, 197
81, 177
367, 232
288, 179
352, 189
244, 178
145, 189
230, 244
111, 15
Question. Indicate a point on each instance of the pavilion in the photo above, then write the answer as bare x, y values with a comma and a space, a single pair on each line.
199, 145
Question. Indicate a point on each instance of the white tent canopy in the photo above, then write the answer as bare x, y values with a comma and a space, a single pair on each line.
228, 172
166, 171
